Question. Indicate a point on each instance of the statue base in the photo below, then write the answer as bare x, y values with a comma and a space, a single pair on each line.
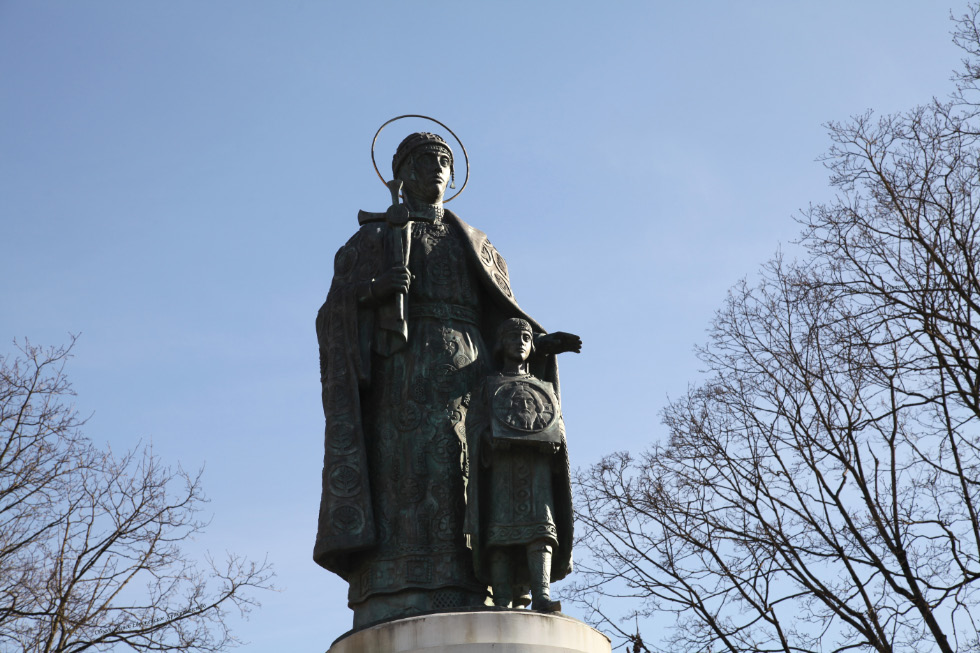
484, 631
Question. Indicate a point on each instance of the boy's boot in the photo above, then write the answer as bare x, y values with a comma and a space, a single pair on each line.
500, 578
539, 564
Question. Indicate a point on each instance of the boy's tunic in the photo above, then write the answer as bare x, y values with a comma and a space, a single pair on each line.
519, 490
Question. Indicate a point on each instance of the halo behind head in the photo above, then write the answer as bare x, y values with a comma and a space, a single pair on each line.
466, 157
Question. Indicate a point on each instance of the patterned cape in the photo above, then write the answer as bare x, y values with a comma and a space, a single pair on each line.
349, 335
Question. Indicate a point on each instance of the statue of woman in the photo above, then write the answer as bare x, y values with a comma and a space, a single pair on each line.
395, 396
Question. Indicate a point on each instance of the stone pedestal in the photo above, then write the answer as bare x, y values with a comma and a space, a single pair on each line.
491, 631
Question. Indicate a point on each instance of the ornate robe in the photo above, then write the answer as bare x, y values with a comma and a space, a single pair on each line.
395, 455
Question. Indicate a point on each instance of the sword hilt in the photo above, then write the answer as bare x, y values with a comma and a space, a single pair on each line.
395, 186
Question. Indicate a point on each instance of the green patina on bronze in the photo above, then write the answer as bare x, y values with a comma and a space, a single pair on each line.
519, 509
401, 348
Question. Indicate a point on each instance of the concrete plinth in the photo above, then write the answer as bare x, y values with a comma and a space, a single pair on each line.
503, 631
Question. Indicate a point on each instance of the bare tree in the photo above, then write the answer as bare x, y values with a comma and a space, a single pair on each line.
91, 550
821, 490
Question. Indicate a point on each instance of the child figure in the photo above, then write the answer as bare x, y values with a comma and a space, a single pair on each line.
519, 510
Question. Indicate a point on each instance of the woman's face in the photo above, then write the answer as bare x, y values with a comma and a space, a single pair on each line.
432, 174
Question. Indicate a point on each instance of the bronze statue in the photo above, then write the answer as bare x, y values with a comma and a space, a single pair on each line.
519, 507
406, 331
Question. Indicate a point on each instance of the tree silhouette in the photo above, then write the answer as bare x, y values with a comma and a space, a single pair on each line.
820, 491
90, 542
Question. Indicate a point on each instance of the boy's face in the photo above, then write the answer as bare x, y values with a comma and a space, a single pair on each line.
517, 344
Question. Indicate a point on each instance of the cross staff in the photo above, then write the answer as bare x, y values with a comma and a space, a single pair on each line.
398, 246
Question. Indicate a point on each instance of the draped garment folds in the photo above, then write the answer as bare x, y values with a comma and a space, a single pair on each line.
395, 456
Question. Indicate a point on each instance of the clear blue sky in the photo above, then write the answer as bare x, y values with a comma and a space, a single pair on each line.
176, 176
